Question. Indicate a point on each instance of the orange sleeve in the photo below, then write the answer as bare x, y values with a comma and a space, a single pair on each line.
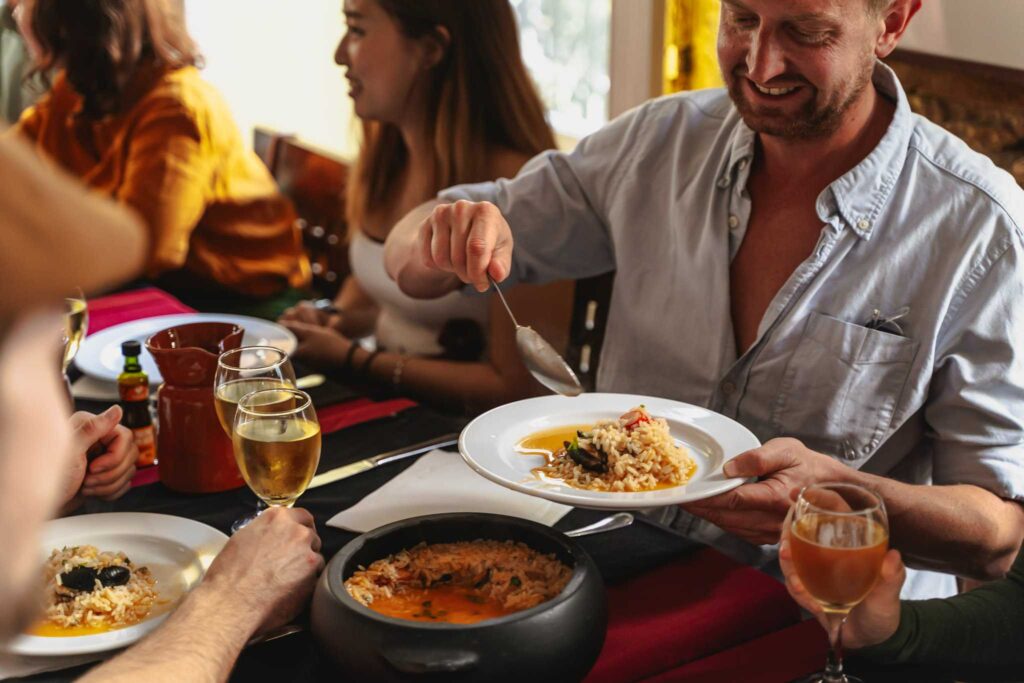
168, 177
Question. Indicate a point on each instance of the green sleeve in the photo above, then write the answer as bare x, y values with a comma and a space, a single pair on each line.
980, 627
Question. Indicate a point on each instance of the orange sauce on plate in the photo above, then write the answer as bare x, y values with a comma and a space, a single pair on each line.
547, 442
48, 629
441, 604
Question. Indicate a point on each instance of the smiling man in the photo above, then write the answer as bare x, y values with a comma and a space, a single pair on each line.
803, 254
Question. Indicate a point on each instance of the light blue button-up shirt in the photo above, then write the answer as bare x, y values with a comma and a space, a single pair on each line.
922, 224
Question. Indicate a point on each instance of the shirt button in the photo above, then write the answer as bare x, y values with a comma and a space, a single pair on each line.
863, 224
728, 388
743, 164
723, 182
733, 221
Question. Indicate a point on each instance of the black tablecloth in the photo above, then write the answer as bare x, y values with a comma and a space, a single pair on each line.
618, 554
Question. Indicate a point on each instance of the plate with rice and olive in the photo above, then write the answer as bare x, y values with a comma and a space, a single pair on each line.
109, 579
617, 451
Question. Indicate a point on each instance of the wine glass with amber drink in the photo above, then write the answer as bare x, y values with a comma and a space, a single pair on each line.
242, 371
277, 444
839, 535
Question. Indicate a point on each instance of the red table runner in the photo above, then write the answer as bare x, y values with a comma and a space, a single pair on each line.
690, 609
149, 302
125, 307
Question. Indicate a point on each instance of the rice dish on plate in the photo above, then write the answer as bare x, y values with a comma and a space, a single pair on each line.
636, 452
86, 588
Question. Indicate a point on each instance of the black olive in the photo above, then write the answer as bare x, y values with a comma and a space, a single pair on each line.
115, 575
80, 578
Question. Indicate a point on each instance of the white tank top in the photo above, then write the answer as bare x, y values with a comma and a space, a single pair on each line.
408, 325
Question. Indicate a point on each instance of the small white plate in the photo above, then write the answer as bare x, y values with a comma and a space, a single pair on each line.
177, 550
488, 445
100, 353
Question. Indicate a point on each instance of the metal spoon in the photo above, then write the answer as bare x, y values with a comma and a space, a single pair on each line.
619, 520
541, 359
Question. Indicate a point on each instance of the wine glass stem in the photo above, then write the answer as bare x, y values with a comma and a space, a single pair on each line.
834, 667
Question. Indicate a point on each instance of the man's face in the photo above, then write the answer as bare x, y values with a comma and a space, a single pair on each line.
34, 454
795, 67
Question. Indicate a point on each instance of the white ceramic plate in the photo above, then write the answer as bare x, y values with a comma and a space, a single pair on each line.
177, 550
100, 354
488, 445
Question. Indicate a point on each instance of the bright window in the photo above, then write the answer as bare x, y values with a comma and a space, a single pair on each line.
566, 45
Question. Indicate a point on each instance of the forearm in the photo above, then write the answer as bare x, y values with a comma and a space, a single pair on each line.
403, 262
199, 642
476, 385
358, 312
980, 628
958, 529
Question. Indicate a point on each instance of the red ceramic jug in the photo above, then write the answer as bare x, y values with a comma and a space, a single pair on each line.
194, 454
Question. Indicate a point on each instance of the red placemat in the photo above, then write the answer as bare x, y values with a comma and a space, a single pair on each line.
778, 657
115, 309
685, 611
358, 411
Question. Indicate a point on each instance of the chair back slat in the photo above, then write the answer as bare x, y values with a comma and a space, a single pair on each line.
314, 180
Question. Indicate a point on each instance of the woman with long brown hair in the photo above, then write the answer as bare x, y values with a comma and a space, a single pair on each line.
129, 114
444, 99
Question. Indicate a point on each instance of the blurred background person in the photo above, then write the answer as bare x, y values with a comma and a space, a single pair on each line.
16, 91
54, 237
129, 114
444, 98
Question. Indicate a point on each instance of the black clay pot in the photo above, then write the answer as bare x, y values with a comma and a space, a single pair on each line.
557, 640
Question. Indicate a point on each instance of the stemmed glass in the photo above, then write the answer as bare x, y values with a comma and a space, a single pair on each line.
839, 537
76, 324
277, 444
242, 371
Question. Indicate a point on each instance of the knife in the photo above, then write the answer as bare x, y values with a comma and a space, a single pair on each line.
352, 469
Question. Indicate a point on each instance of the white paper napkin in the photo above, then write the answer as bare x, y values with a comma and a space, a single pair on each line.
442, 482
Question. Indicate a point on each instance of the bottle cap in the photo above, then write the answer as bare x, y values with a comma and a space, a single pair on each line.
131, 348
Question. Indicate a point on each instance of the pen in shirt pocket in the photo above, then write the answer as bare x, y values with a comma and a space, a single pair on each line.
887, 322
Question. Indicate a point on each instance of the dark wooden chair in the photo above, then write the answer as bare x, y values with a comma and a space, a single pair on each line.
314, 180
265, 143
591, 297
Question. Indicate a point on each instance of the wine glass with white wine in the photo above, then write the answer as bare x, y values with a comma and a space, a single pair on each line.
277, 444
242, 371
76, 324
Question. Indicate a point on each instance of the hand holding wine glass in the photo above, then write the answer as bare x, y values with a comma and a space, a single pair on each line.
835, 543
871, 622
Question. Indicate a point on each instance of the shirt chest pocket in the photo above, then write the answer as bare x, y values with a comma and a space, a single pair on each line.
841, 387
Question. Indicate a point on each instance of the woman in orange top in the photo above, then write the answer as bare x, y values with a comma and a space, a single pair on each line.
129, 114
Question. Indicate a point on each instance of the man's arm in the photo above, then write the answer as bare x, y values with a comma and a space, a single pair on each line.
960, 529
199, 642
261, 579
557, 208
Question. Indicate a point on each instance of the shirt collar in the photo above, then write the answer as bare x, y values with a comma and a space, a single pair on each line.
859, 195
